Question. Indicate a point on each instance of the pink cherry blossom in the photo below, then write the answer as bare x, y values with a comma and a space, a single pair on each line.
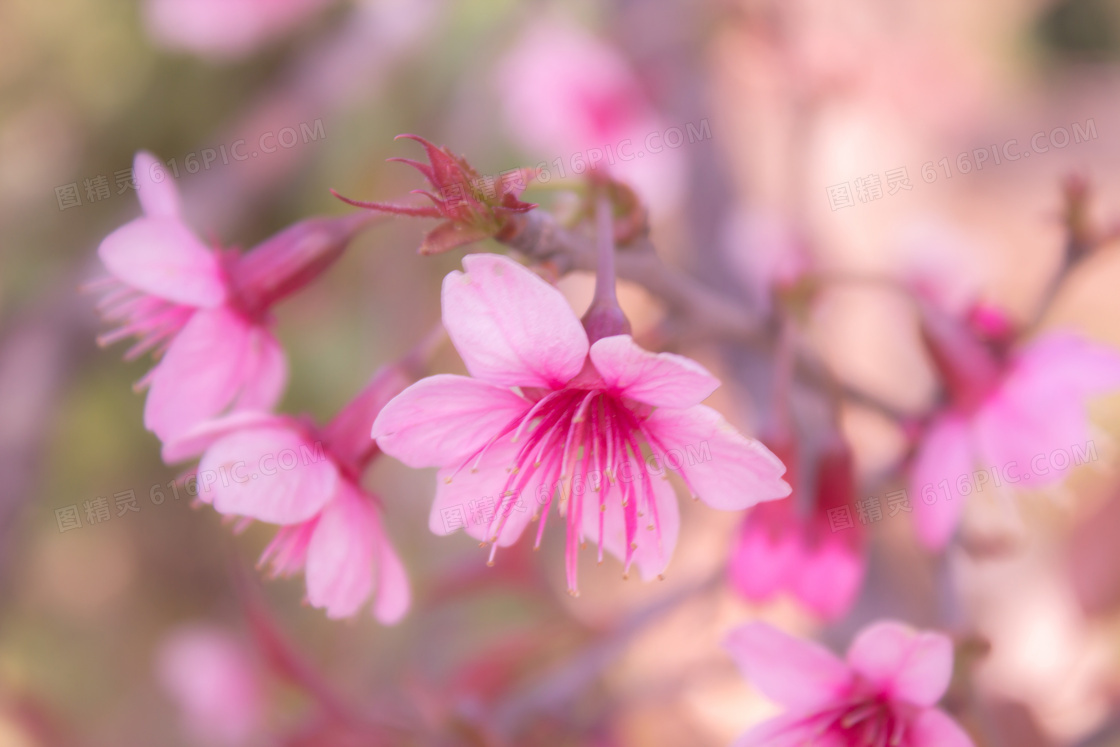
566, 92
224, 29
779, 550
1018, 417
885, 692
283, 471
548, 416
215, 683
205, 312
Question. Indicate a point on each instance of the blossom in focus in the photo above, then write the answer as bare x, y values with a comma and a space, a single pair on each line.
566, 93
205, 312
884, 693
549, 416
1018, 415
284, 471
471, 207
777, 549
214, 682
224, 29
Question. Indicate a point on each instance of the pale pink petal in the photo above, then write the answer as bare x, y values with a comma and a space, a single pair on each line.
1070, 363
721, 467
796, 673
659, 379
788, 730
767, 551
213, 680
945, 454
341, 555
443, 419
156, 189
199, 438
829, 578
163, 257
269, 474
200, 374
934, 728
1030, 427
903, 663
468, 499
393, 594
510, 327
266, 371
655, 540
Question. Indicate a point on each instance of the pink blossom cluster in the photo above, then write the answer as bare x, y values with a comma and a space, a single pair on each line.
549, 400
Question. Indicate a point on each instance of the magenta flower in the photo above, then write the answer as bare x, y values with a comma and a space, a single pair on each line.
1016, 419
214, 682
283, 471
549, 416
777, 549
205, 311
884, 695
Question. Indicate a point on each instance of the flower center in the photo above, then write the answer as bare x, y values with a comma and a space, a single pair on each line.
582, 444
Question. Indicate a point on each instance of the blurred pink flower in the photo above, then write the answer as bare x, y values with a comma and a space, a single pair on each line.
777, 549
1019, 417
215, 683
224, 29
565, 92
547, 413
768, 253
884, 694
205, 311
282, 471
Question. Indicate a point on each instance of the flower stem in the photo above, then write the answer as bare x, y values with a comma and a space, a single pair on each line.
604, 317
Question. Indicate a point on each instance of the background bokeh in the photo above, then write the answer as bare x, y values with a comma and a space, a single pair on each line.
798, 97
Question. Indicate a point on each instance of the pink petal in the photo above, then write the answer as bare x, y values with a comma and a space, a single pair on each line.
1030, 426
265, 373
722, 467
201, 373
905, 664
796, 673
944, 455
393, 595
163, 257
655, 548
767, 551
829, 579
934, 728
269, 474
214, 681
199, 438
156, 189
659, 379
441, 420
1069, 362
341, 555
468, 499
788, 730
511, 327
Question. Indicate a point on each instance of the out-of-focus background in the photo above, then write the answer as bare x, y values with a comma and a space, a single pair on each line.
744, 121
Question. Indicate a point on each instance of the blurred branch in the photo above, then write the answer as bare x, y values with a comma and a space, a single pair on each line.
38, 352
555, 690
539, 237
